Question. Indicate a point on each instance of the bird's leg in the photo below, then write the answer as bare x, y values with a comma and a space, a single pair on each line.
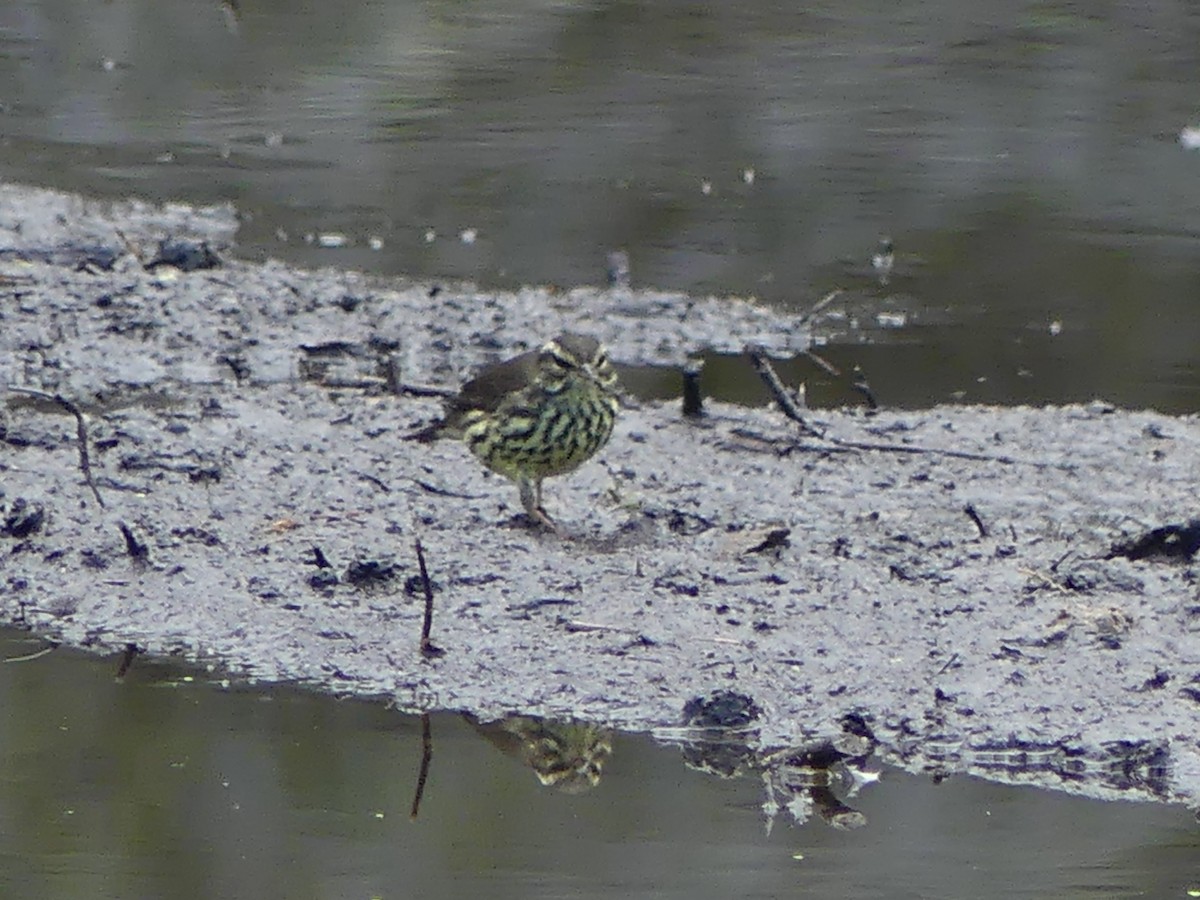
531, 499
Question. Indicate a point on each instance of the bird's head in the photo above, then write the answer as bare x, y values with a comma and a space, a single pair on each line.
576, 355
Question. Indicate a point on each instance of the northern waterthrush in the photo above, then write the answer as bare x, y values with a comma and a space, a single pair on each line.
543, 413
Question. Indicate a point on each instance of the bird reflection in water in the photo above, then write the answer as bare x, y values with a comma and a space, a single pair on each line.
565, 754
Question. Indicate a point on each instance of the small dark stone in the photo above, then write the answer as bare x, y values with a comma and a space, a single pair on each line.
721, 709
187, 256
323, 580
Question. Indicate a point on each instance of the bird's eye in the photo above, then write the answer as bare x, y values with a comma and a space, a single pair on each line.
601, 360
553, 359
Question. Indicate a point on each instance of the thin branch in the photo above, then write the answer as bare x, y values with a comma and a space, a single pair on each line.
427, 646
830, 369
819, 306
85, 465
578, 625
973, 515
762, 365
135, 548
769, 376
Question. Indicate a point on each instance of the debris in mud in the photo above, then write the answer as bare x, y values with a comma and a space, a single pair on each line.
1170, 542
22, 518
184, 255
370, 572
134, 547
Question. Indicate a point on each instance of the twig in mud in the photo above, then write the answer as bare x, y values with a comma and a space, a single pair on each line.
440, 491
949, 664
762, 365
133, 546
973, 515
769, 376
577, 625
423, 772
693, 400
371, 479
85, 465
1044, 582
819, 306
427, 647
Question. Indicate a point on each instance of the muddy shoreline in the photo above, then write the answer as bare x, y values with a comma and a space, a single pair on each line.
243, 427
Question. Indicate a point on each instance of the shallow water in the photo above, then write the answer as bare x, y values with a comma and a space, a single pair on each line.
1026, 162
171, 782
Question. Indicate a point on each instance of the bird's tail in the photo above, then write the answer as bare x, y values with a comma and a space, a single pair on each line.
428, 434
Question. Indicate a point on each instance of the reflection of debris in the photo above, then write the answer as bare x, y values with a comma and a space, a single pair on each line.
618, 269
567, 755
1165, 543
369, 572
818, 776
716, 730
22, 518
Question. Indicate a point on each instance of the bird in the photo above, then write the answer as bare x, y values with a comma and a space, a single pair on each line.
884, 260
543, 413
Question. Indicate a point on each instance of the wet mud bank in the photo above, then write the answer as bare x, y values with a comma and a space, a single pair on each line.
204, 457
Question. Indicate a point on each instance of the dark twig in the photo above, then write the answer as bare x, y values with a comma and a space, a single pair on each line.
391, 374
767, 372
426, 757
427, 647
693, 400
440, 491
371, 479
85, 465
973, 515
950, 663
133, 546
770, 378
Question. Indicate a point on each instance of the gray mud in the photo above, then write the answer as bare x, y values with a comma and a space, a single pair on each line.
244, 429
